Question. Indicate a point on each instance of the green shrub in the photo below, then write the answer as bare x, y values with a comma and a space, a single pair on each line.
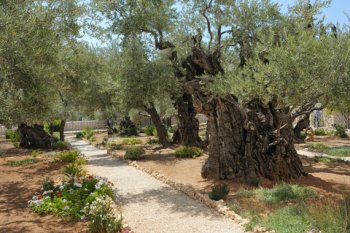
148, 130
339, 151
131, 141
152, 141
340, 131
73, 169
56, 135
320, 132
22, 162
284, 192
134, 153
69, 156
60, 145
244, 193
85, 133
79, 135
219, 191
188, 152
303, 135
12, 135
35, 153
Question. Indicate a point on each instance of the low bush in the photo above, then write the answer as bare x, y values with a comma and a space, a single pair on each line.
320, 132
131, 141
219, 191
79, 135
69, 156
188, 152
340, 131
73, 170
134, 153
60, 145
85, 133
152, 141
303, 135
114, 146
148, 130
284, 192
14, 136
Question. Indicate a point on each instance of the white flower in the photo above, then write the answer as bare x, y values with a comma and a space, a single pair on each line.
66, 208
77, 185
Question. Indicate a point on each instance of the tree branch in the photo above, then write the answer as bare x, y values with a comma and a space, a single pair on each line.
208, 22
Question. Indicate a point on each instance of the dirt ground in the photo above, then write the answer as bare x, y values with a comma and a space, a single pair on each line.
17, 186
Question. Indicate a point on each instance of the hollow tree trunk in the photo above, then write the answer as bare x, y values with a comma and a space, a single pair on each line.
160, 127
62, 125
302, 124
242, 143
187, 133
35, 137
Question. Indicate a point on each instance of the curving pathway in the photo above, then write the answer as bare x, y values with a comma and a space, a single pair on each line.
148, 205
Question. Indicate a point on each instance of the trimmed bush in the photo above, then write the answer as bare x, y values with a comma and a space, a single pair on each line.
188, 152
148, 130
134, 153
340, 131
320, 132
219, 191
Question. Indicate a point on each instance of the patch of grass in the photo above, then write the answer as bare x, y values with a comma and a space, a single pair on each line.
134, 153
283, 193
188, 152
322, 159
131, 141
338, 151
60, 145
290, 219
244, 193
22, 162
317, 147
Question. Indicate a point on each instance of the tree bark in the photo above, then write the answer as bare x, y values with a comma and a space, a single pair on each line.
302, 124
62, 125
187, 133
160, 127
243, 143
35, 137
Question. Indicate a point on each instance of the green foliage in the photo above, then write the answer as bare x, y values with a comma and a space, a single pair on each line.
73, 169
22, 162
244, 193
219, 191
79, 135
148, 130
60, 145
127, 127
152, 141
131, 141
85, 133
13, 135
320, 132
284, 192
303, 135
340, 131
134, 153
114, 146
69, 156
322, 159
188, 152
343, 151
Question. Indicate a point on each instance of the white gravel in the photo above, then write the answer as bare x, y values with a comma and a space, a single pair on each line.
150, 206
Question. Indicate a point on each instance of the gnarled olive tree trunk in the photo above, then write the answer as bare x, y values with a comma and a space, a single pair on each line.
187, 133
302, 124
244, 143
35, 137
160, 127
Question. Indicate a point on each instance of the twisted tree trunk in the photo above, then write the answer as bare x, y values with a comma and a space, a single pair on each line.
160, 127
35, 137
302, 124
187, 133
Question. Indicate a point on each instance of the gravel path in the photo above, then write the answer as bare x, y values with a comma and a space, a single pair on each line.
150, 206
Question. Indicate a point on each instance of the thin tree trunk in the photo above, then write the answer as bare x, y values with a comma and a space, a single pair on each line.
160, 127
62, 125
187, 133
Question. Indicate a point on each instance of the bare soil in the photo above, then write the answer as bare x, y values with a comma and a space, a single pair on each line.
17, 186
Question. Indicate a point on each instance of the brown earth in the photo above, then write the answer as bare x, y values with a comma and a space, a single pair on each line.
17, 186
